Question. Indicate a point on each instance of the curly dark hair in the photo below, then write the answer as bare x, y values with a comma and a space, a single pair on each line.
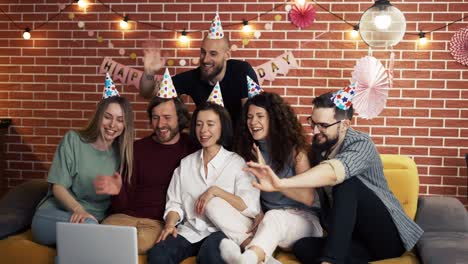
285, 133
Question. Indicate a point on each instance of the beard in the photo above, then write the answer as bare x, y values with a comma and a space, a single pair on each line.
210, 76
160, 139
323, 146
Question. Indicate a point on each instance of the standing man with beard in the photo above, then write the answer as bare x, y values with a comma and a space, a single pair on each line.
215, 66
141, 202
364, 220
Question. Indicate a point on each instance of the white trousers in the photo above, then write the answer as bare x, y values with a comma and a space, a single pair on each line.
279, 227
228, 219
283, 227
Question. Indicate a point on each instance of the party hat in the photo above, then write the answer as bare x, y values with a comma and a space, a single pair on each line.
253, 88
109, 88
216, 30
216, 96
342, 98
166, 87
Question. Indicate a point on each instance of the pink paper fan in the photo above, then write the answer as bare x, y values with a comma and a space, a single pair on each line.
459, 46
302, 16
372, 87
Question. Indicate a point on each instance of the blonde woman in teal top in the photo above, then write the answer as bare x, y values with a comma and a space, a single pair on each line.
103, 148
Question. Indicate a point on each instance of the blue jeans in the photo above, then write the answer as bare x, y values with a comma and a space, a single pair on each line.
43, 226
175, 250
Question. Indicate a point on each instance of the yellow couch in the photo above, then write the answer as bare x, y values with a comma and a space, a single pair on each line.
400, 171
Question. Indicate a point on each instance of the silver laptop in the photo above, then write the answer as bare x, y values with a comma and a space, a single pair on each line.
96, 244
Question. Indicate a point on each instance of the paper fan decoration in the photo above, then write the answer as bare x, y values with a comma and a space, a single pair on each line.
459, 46
302, 16
372, 87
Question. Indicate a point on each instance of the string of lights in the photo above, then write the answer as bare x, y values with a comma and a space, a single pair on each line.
125, 19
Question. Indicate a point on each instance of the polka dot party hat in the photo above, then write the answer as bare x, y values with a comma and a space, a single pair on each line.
342, 98
166, 87
216, 30
216, 96
253, 88
109, 88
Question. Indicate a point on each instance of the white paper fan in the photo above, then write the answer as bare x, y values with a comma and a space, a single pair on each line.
372, 87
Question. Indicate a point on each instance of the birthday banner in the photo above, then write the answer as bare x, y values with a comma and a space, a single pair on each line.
280, 64
267, 71
125, 74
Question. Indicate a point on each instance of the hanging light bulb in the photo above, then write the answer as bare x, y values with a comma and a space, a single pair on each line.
82, 4
382, 25
355, 31
26, 33
183, 37
300, 2
422, 38
246, 27
382, 21
124, 23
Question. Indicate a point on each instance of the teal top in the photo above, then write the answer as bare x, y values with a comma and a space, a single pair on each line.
75, 165
277, 200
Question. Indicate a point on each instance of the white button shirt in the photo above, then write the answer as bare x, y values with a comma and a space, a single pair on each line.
189, 182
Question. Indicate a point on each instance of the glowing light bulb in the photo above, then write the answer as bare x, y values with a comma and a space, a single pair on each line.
355, 31
246, 27
26, 34
422, 38
82, 4
300, 2
124, 23
183, 37
382, 21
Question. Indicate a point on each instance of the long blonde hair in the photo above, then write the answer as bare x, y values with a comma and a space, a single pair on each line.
124, 143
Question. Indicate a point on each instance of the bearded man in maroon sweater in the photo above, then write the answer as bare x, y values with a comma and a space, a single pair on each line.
141, 200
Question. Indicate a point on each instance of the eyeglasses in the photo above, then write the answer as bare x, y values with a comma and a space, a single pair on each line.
320, 126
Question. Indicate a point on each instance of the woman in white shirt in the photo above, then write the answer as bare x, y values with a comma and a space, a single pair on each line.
207, 190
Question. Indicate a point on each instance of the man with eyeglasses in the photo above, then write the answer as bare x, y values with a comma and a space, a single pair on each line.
363, 219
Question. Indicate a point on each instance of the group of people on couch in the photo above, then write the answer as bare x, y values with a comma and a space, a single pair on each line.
229, 191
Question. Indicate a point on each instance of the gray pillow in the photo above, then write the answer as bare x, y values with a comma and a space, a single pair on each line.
443, 247
445, 214
17, 207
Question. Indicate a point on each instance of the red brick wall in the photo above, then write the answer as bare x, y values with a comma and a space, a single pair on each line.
50, 84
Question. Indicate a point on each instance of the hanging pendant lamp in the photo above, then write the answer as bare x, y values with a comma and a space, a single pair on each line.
382, 25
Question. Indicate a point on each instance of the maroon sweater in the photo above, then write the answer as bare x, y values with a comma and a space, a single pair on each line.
153, 164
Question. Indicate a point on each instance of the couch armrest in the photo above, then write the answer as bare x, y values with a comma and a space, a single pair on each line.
17, 207
436, 214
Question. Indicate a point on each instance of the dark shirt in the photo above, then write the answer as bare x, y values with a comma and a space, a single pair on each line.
233, 86
154, 164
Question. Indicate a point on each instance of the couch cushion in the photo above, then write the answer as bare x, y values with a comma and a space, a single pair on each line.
445, 214
18, 205
402, 176
443, 247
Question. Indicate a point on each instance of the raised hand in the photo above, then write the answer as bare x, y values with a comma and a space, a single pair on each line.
110, 185
256, 151
152, 57
268, 181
